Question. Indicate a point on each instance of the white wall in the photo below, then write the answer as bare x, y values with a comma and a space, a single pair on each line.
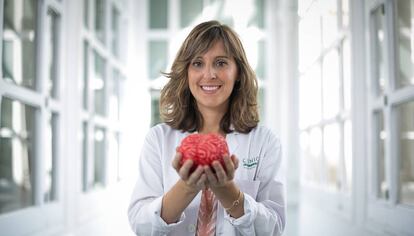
282, 110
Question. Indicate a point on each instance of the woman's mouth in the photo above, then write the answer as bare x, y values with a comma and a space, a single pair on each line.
210, 88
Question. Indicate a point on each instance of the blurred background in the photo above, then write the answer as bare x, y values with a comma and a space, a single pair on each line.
80, 85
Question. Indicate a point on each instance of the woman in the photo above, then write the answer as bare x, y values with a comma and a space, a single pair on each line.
212, 89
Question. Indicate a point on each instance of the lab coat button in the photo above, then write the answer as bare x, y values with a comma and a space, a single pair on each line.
191, 228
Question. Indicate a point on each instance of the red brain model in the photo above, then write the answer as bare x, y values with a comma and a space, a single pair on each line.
203, 149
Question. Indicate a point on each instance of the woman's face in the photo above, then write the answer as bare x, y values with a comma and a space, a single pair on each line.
211, 78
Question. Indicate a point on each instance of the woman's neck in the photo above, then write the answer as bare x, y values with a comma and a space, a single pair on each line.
206, 129
211, 122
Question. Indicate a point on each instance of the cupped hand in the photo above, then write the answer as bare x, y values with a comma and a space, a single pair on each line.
222, 175
196, 180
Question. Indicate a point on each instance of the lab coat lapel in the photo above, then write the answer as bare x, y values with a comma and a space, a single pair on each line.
232, 141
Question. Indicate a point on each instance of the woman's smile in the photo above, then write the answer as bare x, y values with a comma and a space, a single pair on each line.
210, 89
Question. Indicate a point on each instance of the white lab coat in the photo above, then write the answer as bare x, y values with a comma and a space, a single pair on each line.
260, 176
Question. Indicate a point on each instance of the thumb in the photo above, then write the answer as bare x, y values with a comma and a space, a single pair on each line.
235, 161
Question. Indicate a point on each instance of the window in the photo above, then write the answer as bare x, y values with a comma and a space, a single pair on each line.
158, 14
261, 101
19, 41
158, 56
155, 112
190, 10
51, 153
115, 35
391, 97
83, 133
30, 115
405, 39
325, 96
52, 21
99, 20
18, 132
405, 113
84, 86
99, 157
261, 57
258, 16
115, 95
101, 86
113, 166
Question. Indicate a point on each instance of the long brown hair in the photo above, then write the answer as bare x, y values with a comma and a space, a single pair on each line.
178, 107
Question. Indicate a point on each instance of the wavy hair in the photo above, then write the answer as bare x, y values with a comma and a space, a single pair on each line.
178, 107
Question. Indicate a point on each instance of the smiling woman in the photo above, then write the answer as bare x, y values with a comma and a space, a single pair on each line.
211, 90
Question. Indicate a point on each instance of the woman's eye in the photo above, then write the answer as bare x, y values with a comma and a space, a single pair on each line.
221, 63
197, 64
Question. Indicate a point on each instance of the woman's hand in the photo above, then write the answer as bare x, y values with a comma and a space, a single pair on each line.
222, 184
223, 175
194, 181
177, 199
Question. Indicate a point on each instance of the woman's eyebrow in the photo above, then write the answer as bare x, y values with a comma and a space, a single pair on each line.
216, 57
197, 58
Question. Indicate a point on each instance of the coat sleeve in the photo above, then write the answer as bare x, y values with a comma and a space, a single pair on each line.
144, 211
265, 215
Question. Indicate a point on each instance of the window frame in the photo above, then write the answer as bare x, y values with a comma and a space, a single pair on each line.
379, 210
339, 202
90, 199
49, 215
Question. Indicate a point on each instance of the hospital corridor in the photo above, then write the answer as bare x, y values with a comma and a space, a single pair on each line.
81, 85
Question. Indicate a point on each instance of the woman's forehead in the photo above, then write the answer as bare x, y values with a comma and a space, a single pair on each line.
216, 47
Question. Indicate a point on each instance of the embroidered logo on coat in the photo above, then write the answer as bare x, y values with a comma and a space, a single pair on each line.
250, 162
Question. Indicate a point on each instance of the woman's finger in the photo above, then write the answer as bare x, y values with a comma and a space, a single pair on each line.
176, 161
228, 163
201, 182
220, 173
185, 169
193, 178
211, 177
235, 161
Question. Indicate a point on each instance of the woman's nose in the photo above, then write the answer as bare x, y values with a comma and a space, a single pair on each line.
210, 72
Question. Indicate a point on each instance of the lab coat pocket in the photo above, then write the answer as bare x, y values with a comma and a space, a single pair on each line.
249, 187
